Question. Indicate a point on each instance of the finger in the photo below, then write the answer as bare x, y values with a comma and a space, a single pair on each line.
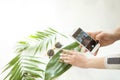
68, 52
83, 49
80, 46
64, 58
90, 33
67, 61
93, 34
100, 36
96, 52
63, 55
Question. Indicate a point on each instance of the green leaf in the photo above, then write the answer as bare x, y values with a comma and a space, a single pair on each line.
33, 68
21, 46
33, 74
55, 68
53, 30
12, 62
34, 60
39, 42
37, 48
20, 64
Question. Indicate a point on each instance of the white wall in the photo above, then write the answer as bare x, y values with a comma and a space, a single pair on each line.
19, 18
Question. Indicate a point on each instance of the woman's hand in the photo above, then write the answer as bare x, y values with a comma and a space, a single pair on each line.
74, 58
104, 38
80, 60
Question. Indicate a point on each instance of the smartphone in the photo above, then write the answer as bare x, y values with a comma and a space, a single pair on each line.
85, 40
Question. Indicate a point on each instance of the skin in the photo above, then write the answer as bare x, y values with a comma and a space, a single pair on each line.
80, 60
105, 38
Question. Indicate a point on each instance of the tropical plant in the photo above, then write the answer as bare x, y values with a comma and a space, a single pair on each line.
29, 63
56, 67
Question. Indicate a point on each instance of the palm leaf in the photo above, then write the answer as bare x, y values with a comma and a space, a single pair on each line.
24, 64
39, 42
22, 46
55, 68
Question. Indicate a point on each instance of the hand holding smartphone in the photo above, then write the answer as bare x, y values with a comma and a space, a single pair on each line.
85, 40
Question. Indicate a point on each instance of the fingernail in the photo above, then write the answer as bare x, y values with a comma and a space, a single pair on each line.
61, 60
61, 51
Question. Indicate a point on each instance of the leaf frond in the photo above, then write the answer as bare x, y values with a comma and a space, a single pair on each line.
20, 64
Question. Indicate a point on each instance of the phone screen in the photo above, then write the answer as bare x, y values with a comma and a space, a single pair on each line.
85, 39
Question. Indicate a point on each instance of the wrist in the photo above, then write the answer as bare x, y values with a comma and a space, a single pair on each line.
88, 63
95, 62
116, 33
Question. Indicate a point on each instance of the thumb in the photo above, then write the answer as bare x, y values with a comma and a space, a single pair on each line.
94, 34
99, 36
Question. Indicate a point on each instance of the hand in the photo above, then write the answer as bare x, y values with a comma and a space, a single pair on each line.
104, 38
80, 60
74, 58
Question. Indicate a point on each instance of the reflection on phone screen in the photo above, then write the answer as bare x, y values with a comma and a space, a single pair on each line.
85, 39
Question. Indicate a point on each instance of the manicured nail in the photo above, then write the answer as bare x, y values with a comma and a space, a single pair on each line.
61, 51
61, 60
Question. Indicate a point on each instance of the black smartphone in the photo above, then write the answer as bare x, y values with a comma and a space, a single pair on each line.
85, 40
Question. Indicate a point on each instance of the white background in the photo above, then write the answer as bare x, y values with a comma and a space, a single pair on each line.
20, 18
